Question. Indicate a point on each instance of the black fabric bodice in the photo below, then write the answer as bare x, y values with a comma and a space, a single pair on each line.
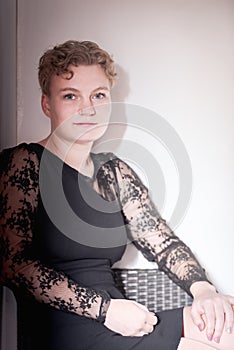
79, 232
61, 231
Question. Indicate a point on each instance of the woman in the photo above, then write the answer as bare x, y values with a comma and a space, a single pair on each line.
65, 218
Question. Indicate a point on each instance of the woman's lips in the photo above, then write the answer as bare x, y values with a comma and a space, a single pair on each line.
85, 124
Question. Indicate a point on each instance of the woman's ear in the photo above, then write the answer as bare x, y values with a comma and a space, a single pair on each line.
45, 105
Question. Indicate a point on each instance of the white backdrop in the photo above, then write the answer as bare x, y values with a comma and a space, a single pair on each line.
175, 58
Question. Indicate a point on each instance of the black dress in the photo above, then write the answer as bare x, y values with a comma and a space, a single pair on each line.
60, 234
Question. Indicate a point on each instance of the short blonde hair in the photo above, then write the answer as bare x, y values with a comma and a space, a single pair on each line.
56, 61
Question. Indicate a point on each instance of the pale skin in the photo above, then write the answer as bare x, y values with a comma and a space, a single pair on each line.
78, 109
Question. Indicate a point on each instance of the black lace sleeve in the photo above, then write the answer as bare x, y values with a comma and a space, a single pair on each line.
151, 234
19, 171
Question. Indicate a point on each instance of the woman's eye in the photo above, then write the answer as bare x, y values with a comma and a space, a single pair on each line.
69, 97
99, 96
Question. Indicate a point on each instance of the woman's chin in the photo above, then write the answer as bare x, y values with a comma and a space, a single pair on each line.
71, 137
92, 135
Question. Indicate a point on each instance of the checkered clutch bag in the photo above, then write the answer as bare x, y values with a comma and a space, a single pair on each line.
152, 288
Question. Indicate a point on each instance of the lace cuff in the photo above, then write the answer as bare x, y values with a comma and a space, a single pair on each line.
104, 306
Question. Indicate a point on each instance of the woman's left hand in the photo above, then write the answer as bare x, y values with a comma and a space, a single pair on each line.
212, 310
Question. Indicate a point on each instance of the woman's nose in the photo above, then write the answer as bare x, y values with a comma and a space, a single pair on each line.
87, 110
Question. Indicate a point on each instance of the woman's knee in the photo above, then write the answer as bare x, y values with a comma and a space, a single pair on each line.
192, 333
190, 344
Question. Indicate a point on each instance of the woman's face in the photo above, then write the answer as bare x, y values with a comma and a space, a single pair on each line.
80, 107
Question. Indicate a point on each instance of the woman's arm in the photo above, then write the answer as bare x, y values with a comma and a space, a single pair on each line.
151, 234
19, 198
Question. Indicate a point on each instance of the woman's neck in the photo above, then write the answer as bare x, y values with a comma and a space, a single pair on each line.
76, 155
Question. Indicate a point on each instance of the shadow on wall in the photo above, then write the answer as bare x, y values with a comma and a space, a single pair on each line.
113, 137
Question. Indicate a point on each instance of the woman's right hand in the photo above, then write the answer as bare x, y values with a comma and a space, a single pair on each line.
129, 318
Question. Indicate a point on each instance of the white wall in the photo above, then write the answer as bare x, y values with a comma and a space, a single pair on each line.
175, 58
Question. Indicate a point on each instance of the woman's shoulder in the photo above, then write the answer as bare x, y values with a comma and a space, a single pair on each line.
18, 155
107, 160
105, 157
112, 161
19, 148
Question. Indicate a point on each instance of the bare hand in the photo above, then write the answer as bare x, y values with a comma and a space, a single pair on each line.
212, 310
129, 318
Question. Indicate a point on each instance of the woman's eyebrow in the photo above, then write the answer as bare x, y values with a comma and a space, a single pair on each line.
101, 88
77, 90
69, 89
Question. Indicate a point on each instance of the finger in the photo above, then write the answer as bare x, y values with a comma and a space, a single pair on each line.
229, 318
231, 299
219, 322
209, 313
140, 334
197, 314
143, 331
148, 328
151, 318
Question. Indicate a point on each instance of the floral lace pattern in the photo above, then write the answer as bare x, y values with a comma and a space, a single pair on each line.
151, 234
19, 177
18, 202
